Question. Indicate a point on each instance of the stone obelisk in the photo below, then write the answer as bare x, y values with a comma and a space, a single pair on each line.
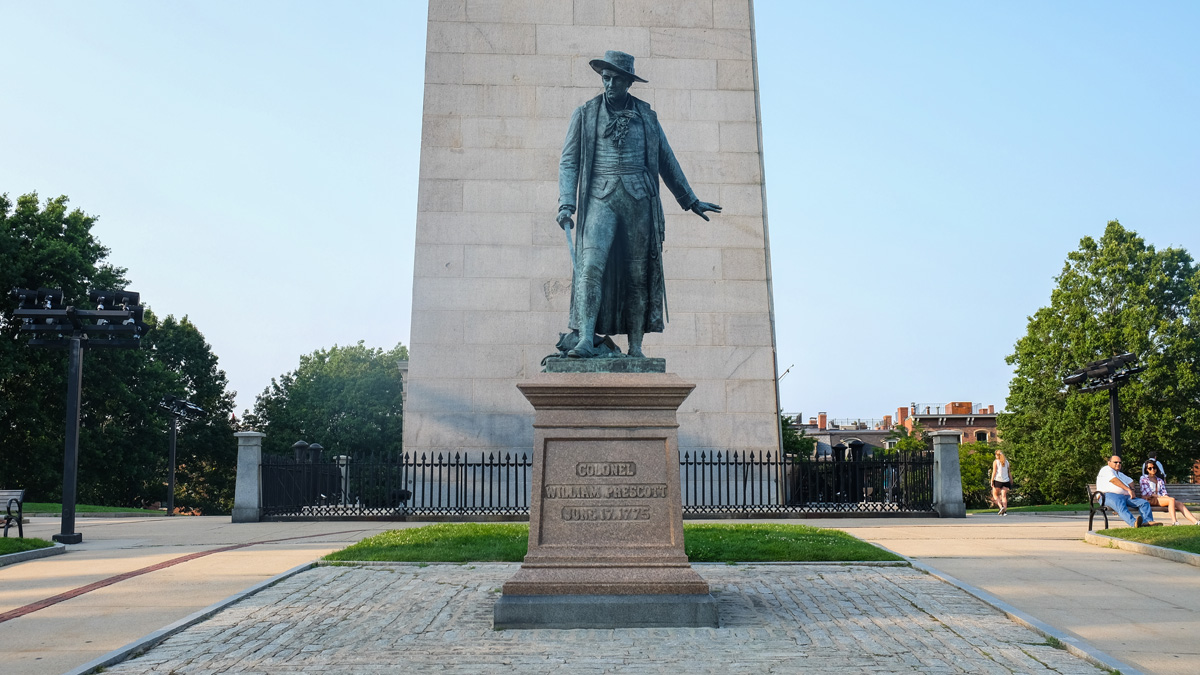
492, 272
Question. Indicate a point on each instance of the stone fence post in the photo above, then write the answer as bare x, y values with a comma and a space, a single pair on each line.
247, 495
947, 476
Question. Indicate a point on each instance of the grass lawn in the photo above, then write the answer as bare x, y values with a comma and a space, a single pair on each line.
1082, 506
1182, 538
508, 542
47, 507
14, 545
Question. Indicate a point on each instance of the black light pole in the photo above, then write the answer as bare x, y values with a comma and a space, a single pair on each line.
1107, 374
115, 323
178, 409
171, 470
1114, 420
71, 448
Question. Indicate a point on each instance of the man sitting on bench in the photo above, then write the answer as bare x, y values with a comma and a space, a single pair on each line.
1118, 495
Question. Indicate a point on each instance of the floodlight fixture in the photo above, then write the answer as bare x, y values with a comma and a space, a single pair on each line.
1076, 377
1107, 374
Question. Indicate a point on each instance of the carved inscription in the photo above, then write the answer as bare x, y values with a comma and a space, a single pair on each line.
593, 513
633, 491
604, 469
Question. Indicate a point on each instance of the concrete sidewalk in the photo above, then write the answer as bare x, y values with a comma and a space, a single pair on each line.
1139, 609
57, 638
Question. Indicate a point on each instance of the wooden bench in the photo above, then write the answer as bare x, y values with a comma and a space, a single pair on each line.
1186, 493
13, 498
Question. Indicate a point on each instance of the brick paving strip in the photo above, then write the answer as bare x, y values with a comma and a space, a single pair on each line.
774, 618
76, 592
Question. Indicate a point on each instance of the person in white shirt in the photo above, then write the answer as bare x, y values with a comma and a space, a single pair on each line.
1118, 494
1001, 482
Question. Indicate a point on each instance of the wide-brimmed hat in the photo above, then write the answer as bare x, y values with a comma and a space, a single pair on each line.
618, 61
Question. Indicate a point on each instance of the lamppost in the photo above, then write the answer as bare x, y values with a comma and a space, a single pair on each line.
178, 409
1107, 374
116, 323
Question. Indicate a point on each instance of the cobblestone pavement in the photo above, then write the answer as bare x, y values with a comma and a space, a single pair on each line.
774, 619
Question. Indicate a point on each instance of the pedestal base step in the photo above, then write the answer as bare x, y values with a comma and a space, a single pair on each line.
605, 611
556, 364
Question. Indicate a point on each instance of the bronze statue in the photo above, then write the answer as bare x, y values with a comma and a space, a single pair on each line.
613, 157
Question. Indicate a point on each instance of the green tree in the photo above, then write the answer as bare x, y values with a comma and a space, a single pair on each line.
1114, 295
52, 247
206, 457
123, 433
975, 466
796, 443
909, 441
348, 399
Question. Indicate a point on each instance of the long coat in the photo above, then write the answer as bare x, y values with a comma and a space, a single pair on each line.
575, 179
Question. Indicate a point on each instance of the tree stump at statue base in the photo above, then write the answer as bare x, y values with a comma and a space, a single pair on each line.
606, 511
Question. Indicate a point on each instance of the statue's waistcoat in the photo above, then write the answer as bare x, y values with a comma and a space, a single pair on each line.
620, 159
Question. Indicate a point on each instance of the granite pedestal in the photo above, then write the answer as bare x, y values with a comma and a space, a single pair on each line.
606, 513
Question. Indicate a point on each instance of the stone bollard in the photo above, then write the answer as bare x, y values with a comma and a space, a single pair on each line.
247, 495
947, 476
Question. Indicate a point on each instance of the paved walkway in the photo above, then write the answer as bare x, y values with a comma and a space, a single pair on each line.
52, 639
1139, 609
1037, 563
774, 619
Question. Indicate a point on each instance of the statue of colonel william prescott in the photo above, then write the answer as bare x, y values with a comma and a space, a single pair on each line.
613, 157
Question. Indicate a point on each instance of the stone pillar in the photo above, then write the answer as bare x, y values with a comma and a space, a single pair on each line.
247, 495
606, 514
947, 476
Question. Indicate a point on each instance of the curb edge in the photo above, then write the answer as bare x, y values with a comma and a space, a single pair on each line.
1171, 554
1074, 645
33, 554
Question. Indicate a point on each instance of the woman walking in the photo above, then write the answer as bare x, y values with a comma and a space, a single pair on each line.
1154, 490
1001, 482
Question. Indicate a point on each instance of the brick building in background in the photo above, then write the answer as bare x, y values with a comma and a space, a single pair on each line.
973, 423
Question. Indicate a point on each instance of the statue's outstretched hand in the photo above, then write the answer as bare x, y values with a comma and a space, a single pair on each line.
564, 219
700, 207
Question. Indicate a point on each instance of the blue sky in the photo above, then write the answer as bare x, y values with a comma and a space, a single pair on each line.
928, 167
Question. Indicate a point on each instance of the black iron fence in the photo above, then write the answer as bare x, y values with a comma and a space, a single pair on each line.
764, 484
388, 486
473, 484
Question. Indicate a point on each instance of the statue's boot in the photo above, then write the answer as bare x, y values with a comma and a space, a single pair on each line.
638, 298
587, 308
